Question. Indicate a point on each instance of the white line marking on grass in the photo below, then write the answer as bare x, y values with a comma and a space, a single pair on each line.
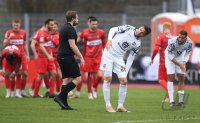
156, 120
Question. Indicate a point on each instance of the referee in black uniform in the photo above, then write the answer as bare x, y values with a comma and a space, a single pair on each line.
69, 67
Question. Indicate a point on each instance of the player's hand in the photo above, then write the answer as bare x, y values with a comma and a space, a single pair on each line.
28, 58
82, 61
12, 75
151, 62
108, 44
35, 56
11, 35
50, 58
2, 73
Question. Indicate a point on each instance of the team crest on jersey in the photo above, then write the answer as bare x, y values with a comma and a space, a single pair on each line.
125, 45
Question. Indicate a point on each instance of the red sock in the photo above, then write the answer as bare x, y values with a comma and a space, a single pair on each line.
163, 83
89, 84
7, 82
58, 85
12, 85
79, 86
33, 84
46, 82
18, 81
23, 84
52, 85
37, 86
96, 83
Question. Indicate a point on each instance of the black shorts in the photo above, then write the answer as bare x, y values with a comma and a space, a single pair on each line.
69, 67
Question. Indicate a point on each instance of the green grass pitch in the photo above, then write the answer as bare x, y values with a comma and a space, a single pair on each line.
145, 106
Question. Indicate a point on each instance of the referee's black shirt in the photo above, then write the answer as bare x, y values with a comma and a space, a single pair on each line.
66, 32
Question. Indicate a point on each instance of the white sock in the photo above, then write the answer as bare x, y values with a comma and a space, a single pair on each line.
106, 93
8, 91
180, 95
170, 87
122, 94
78, 93
18, 91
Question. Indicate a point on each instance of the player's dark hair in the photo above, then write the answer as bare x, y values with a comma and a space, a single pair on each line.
70, 15
183, 32
48, 21
55, 22
92, 18
10, 57
147, 29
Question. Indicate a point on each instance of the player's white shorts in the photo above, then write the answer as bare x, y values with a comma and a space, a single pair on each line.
110, 63
171, 67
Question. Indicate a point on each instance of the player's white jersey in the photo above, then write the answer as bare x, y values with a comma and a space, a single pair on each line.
174, 49
123, 39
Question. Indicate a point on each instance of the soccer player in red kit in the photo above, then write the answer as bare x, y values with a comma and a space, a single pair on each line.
17, 36
58, 80
11, 57
35, 47
93, 44
45, 60
160, 46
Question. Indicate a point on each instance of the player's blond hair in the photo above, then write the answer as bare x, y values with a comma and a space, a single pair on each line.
166, 27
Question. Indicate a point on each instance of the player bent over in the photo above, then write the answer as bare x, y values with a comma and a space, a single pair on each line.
176, 57
11, 58
120, 40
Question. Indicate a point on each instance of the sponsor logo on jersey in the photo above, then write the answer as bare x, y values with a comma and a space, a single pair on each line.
17, 41
94, 42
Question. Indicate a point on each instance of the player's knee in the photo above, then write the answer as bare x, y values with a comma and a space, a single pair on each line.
108, 79
77, 80
123, 81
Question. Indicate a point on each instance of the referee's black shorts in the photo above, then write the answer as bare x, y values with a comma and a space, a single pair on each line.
69, 67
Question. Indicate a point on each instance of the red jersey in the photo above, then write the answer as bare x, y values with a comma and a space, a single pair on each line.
161, 45
55, 40
46, 38
18, 39
12, 48
94, 43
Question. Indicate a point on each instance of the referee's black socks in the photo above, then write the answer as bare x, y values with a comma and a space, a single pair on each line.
65, 89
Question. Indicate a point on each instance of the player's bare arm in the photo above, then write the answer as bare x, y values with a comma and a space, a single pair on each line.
108, 44
33, 43
6, 41
181, 65
26, 51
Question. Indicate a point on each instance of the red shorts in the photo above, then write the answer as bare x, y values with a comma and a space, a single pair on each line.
24, 63
9, 67
44, 65
162, 72
91, 65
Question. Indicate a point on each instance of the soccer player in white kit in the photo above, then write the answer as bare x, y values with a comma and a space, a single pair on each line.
120, 40
176, 56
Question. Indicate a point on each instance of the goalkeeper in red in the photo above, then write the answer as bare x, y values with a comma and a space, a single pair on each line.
160, 46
